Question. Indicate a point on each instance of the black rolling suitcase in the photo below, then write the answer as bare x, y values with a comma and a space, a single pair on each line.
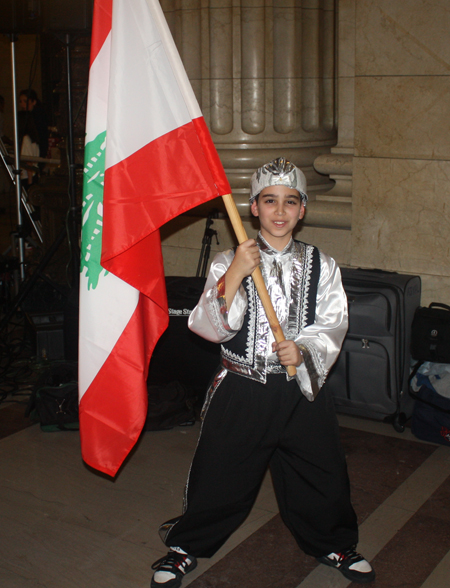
370, 377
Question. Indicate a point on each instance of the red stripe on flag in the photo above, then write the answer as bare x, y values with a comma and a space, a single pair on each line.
211, 156
142, 267
163, 179
101, 26
114, 407
157, 183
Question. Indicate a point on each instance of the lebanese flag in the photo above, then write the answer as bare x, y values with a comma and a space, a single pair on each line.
148, 158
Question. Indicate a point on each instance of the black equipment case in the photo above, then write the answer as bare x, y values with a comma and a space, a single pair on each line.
370, 377
430, 342
180, 355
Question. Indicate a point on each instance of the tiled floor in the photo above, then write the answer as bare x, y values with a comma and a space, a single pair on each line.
64, 526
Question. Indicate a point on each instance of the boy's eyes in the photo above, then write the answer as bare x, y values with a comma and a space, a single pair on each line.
273, 200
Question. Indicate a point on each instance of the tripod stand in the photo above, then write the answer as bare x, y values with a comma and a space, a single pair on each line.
71, 231
15, 172
206, 245
29, 208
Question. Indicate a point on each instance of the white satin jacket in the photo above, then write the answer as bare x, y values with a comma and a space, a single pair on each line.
306, 290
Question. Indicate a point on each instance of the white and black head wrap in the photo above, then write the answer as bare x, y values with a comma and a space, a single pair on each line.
278, 172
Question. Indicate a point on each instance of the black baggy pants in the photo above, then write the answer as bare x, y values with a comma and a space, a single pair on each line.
249, 426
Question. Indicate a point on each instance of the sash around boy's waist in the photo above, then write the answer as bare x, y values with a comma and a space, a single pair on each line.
255, 373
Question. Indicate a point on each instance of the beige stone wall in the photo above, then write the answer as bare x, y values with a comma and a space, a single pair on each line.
401, 168
391, 162
394, 128
182, 242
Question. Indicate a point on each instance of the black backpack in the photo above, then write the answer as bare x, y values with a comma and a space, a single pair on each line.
54, 399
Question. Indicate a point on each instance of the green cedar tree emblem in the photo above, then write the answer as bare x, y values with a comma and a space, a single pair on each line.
92, 211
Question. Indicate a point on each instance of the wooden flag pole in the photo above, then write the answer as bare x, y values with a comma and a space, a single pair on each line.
258, 279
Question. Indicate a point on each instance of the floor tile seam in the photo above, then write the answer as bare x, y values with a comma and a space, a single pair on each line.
385, 518
227, 549
436, 568
433, 534
382, 515
323, 576
419, 486
439, 576
266, 510
379, 428
384, 521
19, 432
397, 500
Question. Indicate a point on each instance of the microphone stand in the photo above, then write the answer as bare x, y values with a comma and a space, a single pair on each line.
206, 245
16, 170
71, 231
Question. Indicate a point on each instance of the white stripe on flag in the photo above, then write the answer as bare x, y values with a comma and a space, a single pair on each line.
98, 92
174, 58
143, 62
111, 305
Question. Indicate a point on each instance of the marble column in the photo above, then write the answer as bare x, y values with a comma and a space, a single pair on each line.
264, 74
336, 204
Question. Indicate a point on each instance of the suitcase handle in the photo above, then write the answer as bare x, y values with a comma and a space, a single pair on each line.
439, 305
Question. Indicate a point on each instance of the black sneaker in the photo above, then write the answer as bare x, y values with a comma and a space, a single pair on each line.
351, 564
170, 569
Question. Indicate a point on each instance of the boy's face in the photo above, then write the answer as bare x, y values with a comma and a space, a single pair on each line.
279, 209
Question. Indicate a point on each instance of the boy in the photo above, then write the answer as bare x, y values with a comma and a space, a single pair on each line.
255, 415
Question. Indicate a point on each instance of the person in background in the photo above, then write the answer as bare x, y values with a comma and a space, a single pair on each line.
29, 145
29, 102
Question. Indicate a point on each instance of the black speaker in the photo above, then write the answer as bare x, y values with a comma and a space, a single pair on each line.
67, 16
49, 16
49, 334
180, 354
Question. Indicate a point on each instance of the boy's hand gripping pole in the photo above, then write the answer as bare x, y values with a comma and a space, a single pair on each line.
257, 276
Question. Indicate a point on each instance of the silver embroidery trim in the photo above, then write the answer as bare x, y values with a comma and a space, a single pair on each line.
300, 285
306, 284
218, 379
252, 308
234, 358
253, 365
262, 337
165, 528
296, 288
266, 248
244, 370
219, 319
314, 366
276, 368
311, 396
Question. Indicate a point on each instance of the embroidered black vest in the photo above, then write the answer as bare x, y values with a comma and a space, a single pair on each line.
246, 353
